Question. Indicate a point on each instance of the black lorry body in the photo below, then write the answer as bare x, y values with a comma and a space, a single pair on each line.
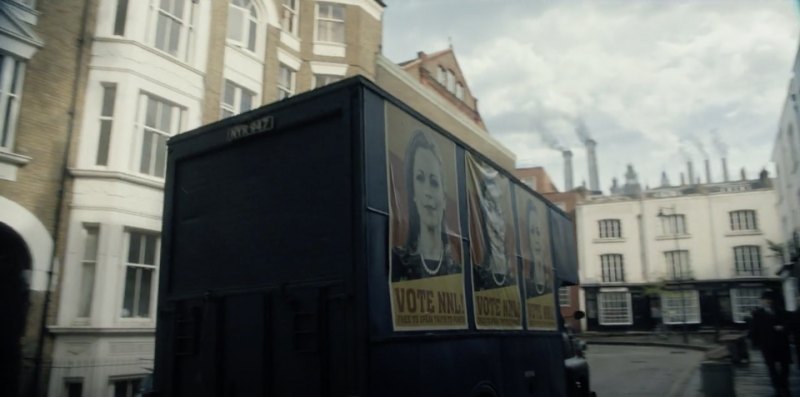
274, 263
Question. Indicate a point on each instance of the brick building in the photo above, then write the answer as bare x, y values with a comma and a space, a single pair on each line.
91, 90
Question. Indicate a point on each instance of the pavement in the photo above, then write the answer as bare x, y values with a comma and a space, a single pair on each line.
750, 379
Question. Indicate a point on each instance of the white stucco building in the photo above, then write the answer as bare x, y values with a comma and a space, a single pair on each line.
698, 253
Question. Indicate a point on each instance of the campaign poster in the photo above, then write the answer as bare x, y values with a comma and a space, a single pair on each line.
495, 283
426, 267
537, 262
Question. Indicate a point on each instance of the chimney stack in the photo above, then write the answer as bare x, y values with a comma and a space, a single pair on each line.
567, 170
591, 157
683, 179
725, 169
708, 171
690, 167
744, 174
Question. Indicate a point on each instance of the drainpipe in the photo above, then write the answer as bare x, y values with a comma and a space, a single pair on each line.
37, 367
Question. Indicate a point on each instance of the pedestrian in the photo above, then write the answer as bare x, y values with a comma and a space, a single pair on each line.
769, 332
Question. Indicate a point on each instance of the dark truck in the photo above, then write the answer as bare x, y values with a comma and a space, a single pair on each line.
339, 244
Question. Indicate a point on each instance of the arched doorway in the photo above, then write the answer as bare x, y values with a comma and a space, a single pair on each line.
15, 261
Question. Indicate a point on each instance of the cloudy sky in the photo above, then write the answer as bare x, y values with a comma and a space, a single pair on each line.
657, 82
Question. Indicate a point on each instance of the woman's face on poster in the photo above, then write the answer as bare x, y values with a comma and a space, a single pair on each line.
428, 189
534, 235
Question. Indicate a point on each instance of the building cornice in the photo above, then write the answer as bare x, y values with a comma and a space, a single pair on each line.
118, 176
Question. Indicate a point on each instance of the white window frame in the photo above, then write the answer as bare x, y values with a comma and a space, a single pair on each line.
564, 297
610, 228
612, 268
675, 303
185, 23
748, 261
12, 75
743, 220
154, 167
88, 270
286, 89
247, 23
140, 268
330, 22
680, 269
290, 15
605, 318
238, 104
744, 301
674, 225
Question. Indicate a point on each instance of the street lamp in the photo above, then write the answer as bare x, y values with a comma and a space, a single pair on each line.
677, 274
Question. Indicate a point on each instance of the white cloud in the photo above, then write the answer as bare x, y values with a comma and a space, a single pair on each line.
644, 75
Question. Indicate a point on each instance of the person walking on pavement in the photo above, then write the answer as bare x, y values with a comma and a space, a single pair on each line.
768, 331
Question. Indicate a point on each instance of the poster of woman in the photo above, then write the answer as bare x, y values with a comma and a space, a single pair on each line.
426, 271
492, 247
537, 264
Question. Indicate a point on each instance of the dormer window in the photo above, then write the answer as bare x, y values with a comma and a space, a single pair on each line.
459, 91
451, 81
441, 76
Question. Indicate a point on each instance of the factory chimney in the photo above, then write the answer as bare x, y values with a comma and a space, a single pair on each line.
708, 171
690, 167
683, 179
567, 170
591, 156
725, 169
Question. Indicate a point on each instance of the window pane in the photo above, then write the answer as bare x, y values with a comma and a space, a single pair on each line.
161, 156
161, 32
337, 12
122, 14
103, 144
109, 94
135, 247
90, 243
130, 291
230, 92
235, 23
152, 111
87, 289
150, 249
174, 36
338, 32
147, 147
74, 389
164, 117
251, 40
144, 293
177, 8
247, 101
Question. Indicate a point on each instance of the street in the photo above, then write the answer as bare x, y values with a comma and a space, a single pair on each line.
640, 370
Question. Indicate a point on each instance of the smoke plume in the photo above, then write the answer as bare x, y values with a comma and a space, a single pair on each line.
721, 147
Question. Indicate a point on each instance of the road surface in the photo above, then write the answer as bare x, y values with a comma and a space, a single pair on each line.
635, 371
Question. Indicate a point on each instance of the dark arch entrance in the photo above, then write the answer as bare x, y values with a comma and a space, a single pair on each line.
14, 261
